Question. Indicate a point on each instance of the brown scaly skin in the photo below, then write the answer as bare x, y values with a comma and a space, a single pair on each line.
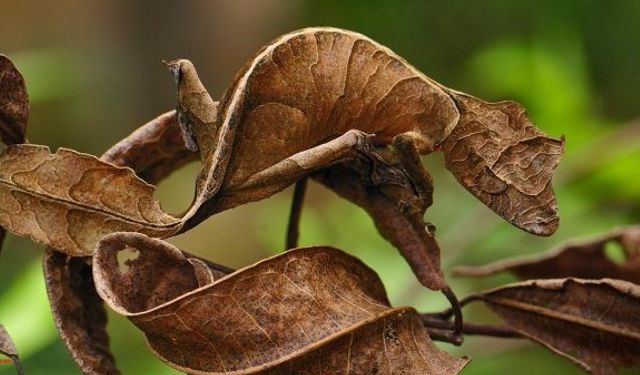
269, 114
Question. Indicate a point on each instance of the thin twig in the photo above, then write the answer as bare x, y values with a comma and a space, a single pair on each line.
293, 228
441, 329
453, 311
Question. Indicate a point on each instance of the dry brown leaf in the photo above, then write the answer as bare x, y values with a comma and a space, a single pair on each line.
583, 259
8, 348
594, 323
313, 85
78, 312
69, 200
14, 103
291, 313
154, 150
14, 108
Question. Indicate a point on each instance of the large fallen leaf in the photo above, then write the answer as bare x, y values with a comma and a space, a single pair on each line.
8, 348
310, 86
69, 200
14, 103
583, 259
594, 323
308, 310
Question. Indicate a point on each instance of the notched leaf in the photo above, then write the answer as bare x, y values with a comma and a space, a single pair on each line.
583, 259
153, 151
14, 103
497, 154
8, 348
308, 310
594, 323
69, 200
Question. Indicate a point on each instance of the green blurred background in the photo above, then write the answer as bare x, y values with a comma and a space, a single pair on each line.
94, 74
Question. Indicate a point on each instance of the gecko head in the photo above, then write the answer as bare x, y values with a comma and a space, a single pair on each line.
497, 154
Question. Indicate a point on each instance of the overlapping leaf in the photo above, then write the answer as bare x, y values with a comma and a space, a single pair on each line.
302, 309
584, 259
594, 323
14, 103
69, 200
153, 151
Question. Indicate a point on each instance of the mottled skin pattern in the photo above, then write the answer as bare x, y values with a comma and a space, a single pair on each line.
318, 85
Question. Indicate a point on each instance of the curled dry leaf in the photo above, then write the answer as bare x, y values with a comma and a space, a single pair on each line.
312, 87
69, 200
308, 310
14, 103
14, 108
8, 348
153, 151
594, 323
583, 259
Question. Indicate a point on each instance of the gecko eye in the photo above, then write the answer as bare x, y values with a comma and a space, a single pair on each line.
497, 154
174, 68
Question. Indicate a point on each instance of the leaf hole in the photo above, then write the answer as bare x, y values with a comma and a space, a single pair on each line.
615, 252
125, 257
